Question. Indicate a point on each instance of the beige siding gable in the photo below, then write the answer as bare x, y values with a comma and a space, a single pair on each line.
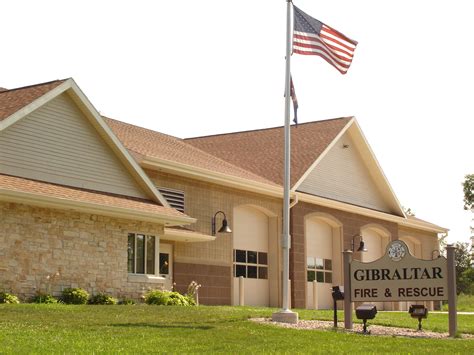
343, 175
58, 144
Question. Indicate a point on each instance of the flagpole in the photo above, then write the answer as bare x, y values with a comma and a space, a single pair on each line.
286, 315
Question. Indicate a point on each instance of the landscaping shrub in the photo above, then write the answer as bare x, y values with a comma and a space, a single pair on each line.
102, 298
75, 296
127, 302
8, 298
167, 298
44, 298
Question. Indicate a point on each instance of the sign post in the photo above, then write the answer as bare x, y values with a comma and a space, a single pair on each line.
453, 321
347, 289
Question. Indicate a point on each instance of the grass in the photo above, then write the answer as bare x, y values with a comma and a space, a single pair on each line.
465, 303
111, 329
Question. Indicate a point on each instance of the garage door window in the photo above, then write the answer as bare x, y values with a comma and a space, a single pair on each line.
319, 270
250, 264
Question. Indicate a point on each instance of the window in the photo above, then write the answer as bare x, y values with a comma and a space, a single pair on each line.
319, 269
250, 264
174, 197
141, 254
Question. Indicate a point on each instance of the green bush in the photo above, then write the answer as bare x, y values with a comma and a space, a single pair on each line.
167, 298
44, 298
75, 296
127, 302
102, 298
8, 298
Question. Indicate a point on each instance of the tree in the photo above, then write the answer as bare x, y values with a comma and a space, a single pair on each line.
468, 188
462, 260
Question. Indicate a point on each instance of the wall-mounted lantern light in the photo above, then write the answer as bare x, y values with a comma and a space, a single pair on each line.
361, 243
225, 227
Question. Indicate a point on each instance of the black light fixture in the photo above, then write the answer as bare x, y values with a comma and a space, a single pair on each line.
364, 312
361, 244
337, 295
225, 227
418, 311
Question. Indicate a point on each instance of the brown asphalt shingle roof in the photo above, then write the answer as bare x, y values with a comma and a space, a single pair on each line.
13, 100
262, 151
13, 183
142, 142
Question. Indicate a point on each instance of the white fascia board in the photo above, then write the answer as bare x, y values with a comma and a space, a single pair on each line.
40, 101
341, 206
322, 155
379, 169
211, 176
120, 150
92, 208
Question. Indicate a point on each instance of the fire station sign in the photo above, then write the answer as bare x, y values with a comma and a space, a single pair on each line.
399, 276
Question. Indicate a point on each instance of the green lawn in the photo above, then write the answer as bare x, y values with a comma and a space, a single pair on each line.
465, 303
64, 329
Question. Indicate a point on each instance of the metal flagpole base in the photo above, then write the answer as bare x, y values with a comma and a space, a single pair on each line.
285, 316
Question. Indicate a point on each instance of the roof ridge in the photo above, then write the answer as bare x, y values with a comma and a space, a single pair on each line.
148, 129
268, 128
33, 85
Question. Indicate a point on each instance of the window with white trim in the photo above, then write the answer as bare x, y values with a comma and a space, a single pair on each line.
319, 270
250, 264
141, 254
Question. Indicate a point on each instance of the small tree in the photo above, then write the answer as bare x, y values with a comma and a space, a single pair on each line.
463, 266
468, 188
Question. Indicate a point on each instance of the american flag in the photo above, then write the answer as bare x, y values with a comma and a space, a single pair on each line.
312, 37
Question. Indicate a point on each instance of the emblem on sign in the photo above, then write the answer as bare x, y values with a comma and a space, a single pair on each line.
397, 251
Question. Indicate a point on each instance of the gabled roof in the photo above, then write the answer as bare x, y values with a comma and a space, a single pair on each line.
262, 151
13, 100
144, 143
16, 104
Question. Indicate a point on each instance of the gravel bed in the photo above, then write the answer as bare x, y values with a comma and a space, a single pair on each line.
374, 329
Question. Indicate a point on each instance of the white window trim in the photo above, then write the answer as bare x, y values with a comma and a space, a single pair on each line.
137, 277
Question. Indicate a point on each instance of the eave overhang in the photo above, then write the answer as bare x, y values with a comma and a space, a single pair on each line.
93, 208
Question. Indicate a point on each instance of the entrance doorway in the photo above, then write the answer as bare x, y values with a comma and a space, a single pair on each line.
166, 265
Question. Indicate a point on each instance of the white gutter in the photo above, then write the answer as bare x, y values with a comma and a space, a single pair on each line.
211, 176
401, 221
90, 207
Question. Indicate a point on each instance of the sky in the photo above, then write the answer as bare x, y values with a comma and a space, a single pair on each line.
192, 68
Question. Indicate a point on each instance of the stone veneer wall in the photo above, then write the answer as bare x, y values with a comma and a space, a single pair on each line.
352, 224
88, 251
209, 263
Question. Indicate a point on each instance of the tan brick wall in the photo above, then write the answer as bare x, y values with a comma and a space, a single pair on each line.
202, 201
88, 251
352, 224
203, 259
